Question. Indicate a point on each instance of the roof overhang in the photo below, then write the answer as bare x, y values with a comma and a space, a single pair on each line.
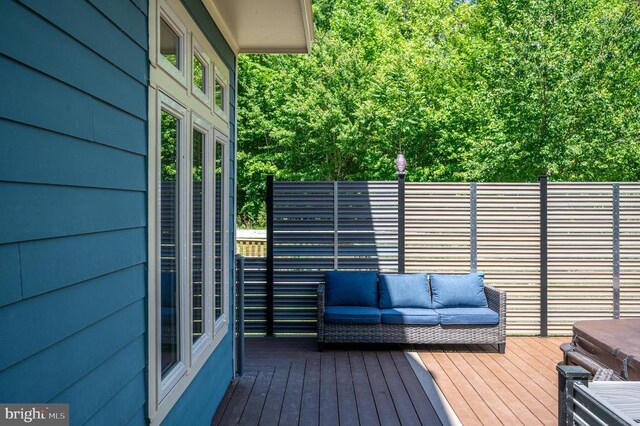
264, 26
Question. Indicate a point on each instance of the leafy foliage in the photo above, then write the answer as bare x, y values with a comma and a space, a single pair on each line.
487, 90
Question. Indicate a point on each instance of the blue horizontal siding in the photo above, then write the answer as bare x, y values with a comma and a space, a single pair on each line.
129, 133
124, 405
111, 376
139, 418
65, 160
63, 110
44, 375
79, 66
126, 16
198, 403
39, 322
10, 280
66, 110
59, 262
73, 181
45, 211
142, 5
96, 32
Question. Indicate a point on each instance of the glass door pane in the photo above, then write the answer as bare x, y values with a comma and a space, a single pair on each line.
169, 131
218, 228
197, 233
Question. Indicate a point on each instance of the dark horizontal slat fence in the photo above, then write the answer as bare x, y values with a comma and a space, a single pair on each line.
322, 226
456, 228
255, 295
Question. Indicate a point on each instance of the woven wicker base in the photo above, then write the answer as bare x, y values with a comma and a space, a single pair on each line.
392, 333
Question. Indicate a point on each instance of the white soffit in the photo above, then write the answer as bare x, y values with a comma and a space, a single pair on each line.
265, 26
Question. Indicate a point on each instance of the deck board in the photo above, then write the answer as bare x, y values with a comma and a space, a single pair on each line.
328, 390
459, 404
290, 413
425, 412
404, 407
273, 403
235, 408
479, 383
255, 402
476, 401
288, 382
310, 408
347, 408
367, 412
515, 384
384, 404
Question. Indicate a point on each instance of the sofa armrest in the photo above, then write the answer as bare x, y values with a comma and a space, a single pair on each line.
497, 301
320, 312
321, 300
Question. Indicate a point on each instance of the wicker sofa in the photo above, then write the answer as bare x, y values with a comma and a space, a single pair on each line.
354, 332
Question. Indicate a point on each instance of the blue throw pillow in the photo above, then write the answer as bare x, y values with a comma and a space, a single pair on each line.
351, 288
404, 291
458, 291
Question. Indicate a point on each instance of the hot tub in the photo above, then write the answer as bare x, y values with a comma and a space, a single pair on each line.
606, 345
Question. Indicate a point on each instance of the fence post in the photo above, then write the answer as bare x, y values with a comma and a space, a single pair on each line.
240, 315
543, 257
616, 250
336, 222
401, 229
473, 226
269, 202
568, 375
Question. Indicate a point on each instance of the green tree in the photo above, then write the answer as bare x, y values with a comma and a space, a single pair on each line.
487, 90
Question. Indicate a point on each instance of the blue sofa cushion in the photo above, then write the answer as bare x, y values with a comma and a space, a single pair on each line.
458, 291
415, 316
404, 291
351, 315
472, 316
351, 288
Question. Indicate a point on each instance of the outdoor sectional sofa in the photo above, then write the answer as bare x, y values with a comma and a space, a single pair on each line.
366, 307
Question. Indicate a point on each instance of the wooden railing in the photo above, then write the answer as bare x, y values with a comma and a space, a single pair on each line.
251, 243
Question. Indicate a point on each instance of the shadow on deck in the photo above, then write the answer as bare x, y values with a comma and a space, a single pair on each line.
288, 382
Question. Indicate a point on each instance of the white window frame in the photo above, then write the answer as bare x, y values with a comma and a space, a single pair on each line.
223, 321
200, 345
174, 94
224, 111
198, 52
167, 104
180, 74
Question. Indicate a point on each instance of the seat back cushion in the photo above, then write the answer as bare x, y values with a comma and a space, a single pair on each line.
344, 288
458, 291
404, 291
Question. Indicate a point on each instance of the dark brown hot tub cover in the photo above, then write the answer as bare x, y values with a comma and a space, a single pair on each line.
613, 343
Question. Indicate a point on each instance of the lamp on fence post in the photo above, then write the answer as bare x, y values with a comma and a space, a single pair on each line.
401, 165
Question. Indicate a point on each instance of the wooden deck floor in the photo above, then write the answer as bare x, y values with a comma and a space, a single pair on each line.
288, 382
486, 388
